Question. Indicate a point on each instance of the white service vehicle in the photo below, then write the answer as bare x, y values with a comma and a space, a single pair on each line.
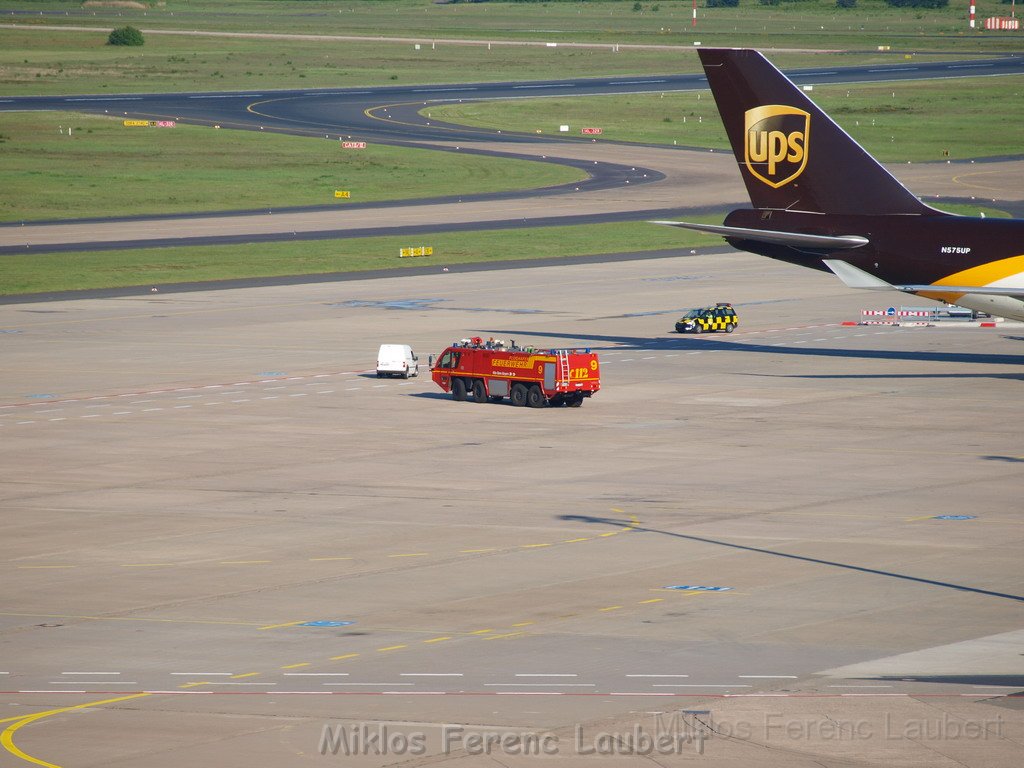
397, 360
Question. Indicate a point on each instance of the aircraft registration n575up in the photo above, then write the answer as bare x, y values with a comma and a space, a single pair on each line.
821, 201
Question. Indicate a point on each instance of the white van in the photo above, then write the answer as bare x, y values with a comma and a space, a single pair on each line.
397, 360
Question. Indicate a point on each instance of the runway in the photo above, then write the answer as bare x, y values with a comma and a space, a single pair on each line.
222, 525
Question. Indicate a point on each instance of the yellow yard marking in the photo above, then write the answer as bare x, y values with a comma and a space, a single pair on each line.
286, 624
437, 639
345, 656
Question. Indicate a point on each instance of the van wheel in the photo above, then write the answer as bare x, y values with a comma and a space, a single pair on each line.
405, 374
479, 391
518, 396
534, 397
458, 389
730, 327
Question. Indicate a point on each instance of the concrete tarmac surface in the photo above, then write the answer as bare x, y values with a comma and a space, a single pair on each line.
226, 542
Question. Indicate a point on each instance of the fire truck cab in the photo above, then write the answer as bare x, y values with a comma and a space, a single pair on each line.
481, 371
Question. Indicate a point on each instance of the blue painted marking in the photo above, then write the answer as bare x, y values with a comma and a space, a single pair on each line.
696, 588
326, 623
393, 304
9, 330
955, 517
890, 312
271, 373
40, 396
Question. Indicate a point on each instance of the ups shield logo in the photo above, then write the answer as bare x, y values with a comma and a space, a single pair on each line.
775, 144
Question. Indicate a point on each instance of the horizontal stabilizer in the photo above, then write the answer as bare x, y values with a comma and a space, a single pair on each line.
854, 277
796, 239
857, 278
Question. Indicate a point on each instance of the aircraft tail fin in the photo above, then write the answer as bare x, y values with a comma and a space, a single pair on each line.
791, 154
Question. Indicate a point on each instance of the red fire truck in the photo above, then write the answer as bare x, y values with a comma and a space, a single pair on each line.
478, 370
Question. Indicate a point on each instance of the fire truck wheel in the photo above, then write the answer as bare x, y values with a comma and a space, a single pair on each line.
458, 389
575, 401
730, 327
534, 397
479, 391
518, 396
557, 401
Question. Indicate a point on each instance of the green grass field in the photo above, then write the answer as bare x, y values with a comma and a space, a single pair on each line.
105, 169
155, 266
897, 122
807, 24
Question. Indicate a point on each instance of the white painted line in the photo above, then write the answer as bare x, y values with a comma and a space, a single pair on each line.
543, 685
228, 96
529, 693
554, 85
271, 397
636, 82
121, 413
90, 673
647, 693
316, 674
544, 674
657, 675
413, 693
91, 416
184, 693
61, 418
203, 674
264, 684
109, 98
92, 682
769, 677
299, 394
431, 674
147, 410
874, 694
243, 400
52, 691
177, 407
378, 685
439, 90
700, 685
270, 388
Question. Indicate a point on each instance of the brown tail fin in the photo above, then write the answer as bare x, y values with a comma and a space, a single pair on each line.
791, 155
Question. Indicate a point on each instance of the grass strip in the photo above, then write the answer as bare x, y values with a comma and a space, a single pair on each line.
155, 266
102, 168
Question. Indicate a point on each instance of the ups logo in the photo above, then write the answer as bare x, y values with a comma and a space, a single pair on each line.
775, 144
